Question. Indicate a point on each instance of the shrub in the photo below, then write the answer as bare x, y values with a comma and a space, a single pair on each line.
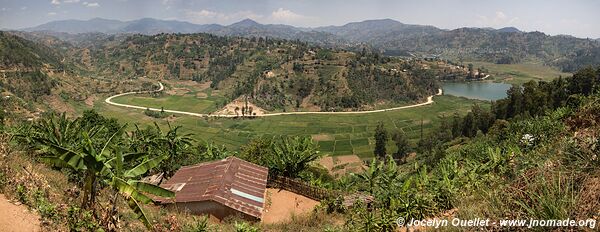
199, 225
81, 220
45, 208
244, 227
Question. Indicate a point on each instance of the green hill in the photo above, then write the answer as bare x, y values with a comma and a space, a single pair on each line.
274, 74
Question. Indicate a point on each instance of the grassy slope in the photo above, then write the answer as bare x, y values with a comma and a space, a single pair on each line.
352, 134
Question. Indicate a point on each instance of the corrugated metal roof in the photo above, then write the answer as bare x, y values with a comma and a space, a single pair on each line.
232, 182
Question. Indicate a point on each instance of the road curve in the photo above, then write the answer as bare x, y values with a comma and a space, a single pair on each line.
162, 87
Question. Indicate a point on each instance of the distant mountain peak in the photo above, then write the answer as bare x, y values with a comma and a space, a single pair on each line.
245, 23
509, 29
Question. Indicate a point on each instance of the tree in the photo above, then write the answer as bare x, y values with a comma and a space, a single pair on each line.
401, 145
381, 138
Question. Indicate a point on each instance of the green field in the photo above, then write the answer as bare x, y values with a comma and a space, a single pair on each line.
520, 73
345, 134
186, 102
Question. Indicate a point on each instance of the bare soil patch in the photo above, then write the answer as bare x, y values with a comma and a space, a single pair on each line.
178, 91
190, 84
59, 105
322, 137
229, 109
327, 162
340, 165
90, 100
201, 95
281, 205
17, 218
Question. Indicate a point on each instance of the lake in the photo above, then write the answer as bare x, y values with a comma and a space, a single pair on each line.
476, 90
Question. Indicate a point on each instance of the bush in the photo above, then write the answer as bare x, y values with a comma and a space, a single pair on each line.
81, 220
156, 114
199, 225
45, 208
244, 227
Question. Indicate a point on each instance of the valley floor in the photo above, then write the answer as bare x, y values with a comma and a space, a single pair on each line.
110, 101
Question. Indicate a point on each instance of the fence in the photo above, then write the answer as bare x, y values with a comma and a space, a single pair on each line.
299, 187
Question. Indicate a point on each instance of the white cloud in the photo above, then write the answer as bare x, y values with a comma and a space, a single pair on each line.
58, 2
279, 16
51, 13
285, 16
91, 4
500, 19
282, 15
24, 8
207, 16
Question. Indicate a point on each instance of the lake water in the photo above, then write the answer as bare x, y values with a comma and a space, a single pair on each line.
476, 90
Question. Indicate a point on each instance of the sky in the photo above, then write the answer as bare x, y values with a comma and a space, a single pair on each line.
580, 18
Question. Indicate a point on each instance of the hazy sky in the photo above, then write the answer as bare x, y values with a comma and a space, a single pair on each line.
580, 18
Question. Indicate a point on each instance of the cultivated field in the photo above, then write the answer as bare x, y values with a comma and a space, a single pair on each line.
335, 134
520, 73
183, 99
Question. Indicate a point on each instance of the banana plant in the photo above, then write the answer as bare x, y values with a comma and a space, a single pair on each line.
290, 156
371, 176
125, 182
106, 165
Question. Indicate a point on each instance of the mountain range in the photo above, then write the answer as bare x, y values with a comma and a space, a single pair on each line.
390, 37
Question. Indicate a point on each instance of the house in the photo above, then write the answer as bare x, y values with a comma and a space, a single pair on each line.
222, 188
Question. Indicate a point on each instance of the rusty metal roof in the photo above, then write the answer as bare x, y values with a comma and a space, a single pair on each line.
233, 182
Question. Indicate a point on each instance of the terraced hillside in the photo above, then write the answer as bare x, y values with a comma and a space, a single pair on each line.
276, 75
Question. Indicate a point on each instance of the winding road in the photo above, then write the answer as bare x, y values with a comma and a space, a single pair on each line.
162, 87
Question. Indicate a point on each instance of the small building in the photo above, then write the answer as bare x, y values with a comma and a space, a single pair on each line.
222, 188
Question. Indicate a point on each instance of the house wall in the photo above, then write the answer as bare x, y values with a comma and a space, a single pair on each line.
214, 209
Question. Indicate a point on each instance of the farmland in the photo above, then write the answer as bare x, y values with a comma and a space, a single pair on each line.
335, 134
521, 73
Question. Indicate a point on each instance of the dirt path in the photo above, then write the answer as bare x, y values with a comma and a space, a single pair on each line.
17, 218
110, 102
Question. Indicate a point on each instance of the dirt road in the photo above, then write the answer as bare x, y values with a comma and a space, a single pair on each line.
17, 218
110, 102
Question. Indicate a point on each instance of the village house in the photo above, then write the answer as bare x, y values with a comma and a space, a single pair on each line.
222, 188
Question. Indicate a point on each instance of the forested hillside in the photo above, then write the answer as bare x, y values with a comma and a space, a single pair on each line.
22, 63
503, 46
275, 74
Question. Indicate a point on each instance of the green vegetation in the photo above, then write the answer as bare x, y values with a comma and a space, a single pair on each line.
533, 154
18, 52
156, 114
343, 134
381, 137
283, 156
537, 150
188, 102
273, 74
98, 161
